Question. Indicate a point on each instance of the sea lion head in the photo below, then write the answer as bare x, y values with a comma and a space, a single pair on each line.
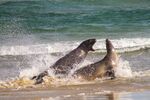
109, 45
111, 56
88, 45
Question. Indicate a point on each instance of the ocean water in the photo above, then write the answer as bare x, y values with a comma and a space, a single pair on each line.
32, 21
35, 33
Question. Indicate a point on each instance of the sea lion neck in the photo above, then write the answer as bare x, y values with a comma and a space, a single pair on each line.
84, 48
109, 46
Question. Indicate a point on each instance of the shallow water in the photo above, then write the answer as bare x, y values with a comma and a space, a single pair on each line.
133, 70
86, 92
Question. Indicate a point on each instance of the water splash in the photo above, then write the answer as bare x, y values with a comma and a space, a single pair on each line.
38, 64
124, 69
17, 83
42, 62
145, 73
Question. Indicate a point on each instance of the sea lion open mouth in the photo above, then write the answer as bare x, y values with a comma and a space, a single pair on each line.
102, 68
92, 42
88, 44
63, 65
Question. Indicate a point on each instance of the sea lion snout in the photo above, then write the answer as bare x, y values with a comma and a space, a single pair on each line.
88, 44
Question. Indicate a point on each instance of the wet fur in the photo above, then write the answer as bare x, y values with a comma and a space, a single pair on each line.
102, 68
66, 63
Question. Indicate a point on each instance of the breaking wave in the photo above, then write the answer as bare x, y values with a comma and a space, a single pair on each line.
121, 45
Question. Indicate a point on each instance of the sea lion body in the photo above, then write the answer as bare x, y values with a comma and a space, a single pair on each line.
68, 62
102, 68
63, 66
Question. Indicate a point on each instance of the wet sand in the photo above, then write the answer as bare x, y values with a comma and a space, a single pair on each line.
62, 94
109, 90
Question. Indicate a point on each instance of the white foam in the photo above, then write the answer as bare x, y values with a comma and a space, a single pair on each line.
141, 73
43, 62
126, 44
122, 45
38, 65
123, 69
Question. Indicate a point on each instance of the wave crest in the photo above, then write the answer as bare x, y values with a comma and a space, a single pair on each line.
121, 45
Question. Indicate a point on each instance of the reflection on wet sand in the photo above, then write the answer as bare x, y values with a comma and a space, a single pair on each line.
113, 96
101, 96
47, 95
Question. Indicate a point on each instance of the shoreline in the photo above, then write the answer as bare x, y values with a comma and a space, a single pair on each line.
71, 94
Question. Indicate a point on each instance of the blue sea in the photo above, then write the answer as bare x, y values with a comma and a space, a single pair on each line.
36, 33
38, 21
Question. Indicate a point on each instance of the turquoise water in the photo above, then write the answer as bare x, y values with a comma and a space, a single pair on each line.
65, 20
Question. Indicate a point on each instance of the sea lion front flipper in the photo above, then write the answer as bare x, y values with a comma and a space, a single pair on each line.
39, 78
34, 77
111, 74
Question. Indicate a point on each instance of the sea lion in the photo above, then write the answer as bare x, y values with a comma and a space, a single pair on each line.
68, 62
102, 68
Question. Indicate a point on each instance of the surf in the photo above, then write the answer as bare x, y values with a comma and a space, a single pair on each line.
122, 45
123, 71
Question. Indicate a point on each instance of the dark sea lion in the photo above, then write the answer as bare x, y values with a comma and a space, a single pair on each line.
68, 62
102, 68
